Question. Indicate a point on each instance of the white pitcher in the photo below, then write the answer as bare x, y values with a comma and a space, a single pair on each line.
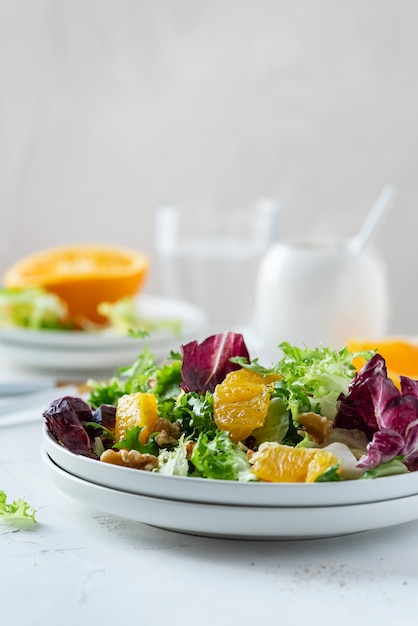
319, 293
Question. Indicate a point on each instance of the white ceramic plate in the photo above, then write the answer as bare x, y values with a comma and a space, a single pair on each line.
224, 492
239, 522
191, 318
62, 352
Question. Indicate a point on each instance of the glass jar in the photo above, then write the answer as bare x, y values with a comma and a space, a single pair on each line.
311, 293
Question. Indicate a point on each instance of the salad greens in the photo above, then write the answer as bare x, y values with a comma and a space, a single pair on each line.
311, 380
129, 379
133, 442
38, 309
220, 458
316, 400
174, 462
123, 316
16, 511
32, 308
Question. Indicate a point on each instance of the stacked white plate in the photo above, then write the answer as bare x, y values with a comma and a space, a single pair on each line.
83, 353
231, 509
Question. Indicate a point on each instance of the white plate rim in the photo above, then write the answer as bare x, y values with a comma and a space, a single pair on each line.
232, 521
230, 492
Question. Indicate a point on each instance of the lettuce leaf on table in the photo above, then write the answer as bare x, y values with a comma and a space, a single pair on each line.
16, 511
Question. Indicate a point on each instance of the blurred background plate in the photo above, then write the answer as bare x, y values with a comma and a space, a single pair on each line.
155, 308
70, 354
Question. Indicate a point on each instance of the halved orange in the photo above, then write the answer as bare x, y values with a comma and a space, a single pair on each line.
277, 463
400, 354
82, 275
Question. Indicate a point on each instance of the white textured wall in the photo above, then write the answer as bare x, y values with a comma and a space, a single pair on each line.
108, 107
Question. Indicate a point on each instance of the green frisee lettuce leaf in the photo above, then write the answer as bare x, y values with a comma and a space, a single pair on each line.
174, 462
124, 317
16, 511
221, 459
32, 308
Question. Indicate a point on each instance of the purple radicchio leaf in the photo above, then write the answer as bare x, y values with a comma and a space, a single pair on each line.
383, 448
105, 415
368, 394
388, 417
105, 418
397, 420
63, 418
399, 414
410, 450
399, 437
409, 387
206, 364
412, 461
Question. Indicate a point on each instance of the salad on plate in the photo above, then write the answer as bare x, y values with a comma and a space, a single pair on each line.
211, 411
36, 309
79, 287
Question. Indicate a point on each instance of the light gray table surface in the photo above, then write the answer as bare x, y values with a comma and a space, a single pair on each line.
81, 565
78, 565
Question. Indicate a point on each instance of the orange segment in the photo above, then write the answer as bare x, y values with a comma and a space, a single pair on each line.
136, 409
83, 276
400, 354
241, 402
274, 462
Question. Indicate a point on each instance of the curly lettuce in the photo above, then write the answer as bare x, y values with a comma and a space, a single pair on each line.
124, 316
310, 379
143, 375
16, 511
174, 462
315, 378
220, 458
32, 308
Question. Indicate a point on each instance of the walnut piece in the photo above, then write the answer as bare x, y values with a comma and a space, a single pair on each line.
250, 454
130, 458
168, 432
317, 426
189, 448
